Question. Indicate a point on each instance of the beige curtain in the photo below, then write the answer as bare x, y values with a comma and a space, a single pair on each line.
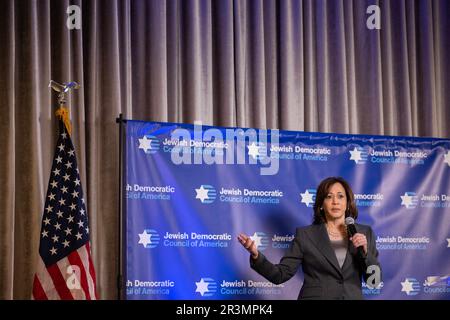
296, 65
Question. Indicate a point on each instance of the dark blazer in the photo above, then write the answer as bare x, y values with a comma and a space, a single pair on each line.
323, 278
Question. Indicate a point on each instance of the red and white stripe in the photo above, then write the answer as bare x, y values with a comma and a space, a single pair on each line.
50, 283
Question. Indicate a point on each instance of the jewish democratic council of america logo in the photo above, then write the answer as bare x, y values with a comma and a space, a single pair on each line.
206, 287
149, 238
359, 155
261, 240
149, 143
308, 197
409, 200
410, 286
206, 193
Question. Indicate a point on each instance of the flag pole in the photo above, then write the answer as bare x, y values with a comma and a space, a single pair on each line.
120, 289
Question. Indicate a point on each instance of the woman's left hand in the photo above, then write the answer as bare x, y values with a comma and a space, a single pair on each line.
359, 240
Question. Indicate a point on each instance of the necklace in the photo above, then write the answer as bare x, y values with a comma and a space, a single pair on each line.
334, 233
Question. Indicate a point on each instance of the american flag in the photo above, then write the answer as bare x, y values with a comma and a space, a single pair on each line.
65, 269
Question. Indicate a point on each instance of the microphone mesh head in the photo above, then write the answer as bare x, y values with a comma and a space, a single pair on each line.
349, 220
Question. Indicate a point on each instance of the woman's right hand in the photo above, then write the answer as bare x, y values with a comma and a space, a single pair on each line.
248, 244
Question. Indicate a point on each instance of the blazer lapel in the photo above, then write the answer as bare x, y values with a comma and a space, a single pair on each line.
348, 256
319, 237
352, 254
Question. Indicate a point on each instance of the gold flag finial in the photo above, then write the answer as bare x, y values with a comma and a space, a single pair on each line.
62, 89
63, 114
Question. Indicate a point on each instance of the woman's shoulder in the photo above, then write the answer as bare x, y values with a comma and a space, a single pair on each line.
363, 227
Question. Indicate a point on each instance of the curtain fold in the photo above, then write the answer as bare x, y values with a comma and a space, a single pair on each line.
292, 64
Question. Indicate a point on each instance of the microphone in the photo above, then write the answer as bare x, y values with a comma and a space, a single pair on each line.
351, 229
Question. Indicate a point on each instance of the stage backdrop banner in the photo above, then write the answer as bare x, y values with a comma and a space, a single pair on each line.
189, 190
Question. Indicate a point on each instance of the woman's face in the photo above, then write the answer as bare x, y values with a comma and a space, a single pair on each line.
335, 202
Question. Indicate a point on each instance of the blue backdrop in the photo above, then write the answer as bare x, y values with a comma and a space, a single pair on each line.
190, 190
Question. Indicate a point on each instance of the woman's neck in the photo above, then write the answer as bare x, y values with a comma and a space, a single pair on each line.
336, 229
336, 225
